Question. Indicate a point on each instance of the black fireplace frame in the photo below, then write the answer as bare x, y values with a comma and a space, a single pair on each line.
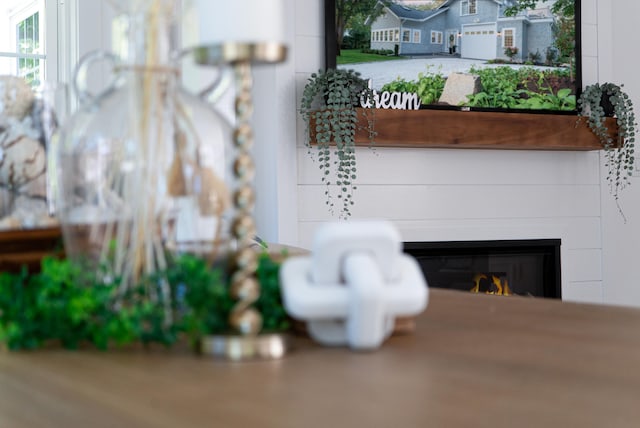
552, 268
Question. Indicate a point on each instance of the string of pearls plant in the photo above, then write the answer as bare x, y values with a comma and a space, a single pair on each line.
329, 101
619, 148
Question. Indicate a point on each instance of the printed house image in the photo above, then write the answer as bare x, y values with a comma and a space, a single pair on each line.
475, 29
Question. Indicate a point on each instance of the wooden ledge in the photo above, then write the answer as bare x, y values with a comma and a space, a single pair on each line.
478, 130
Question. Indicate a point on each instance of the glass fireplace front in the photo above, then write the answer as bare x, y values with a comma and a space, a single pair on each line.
511, 267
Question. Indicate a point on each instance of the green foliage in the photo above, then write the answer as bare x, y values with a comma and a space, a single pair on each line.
562, 100
523, 88
67, 305
499, 88
270, 304
559, 7
354, 56
511, 52
350, 14
359, 35
384, 52
330, 97
429, 86
620, 154
502, 87
535, 57
70, 306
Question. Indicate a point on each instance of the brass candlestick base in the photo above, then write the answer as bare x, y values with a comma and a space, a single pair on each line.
244, 287
242, 348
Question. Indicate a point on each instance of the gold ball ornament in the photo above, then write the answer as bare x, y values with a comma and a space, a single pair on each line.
243, 136
247, 321
246, 289
246, 259
244, 198
244, 227
243, 167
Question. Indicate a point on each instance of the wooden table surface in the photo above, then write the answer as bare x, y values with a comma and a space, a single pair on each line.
474, 361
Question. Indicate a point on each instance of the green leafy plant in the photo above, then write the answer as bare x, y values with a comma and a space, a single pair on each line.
511, 52
499, 88
429, 86
562, 100
329, 100
619, 151
524, 88
69, 306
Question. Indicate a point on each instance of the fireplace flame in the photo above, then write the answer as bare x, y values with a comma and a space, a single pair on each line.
476, 281
499, 287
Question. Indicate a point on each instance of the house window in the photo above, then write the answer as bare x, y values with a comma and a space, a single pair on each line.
406, 36
396, 35
436, 37
468, 7
508, 37
28, 45
416, 36
22, 40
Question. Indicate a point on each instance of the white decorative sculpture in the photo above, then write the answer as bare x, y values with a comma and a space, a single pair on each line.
354, 285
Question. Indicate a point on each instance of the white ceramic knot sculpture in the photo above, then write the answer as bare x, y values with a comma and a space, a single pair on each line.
353, 286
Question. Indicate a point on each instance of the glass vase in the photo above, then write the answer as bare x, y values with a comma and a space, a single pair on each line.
142, 170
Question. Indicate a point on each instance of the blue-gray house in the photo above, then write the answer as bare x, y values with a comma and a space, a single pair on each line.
471, 28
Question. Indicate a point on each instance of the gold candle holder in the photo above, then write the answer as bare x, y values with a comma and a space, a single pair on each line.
245, 288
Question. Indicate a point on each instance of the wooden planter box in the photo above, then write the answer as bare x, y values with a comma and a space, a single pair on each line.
478, 130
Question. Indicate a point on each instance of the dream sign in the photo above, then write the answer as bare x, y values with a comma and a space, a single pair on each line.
392, 100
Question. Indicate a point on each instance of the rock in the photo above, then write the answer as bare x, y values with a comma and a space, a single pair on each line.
6, 201
36, 188
458, 86
22, 160
16, 97
28, 210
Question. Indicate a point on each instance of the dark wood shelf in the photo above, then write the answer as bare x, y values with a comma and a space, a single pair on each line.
27, 247
479, 130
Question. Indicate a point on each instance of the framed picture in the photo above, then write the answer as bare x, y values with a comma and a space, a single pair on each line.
482, 55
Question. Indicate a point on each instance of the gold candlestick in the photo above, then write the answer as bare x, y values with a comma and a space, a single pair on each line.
244, 285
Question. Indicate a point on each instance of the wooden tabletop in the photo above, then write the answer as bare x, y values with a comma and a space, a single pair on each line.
474, 361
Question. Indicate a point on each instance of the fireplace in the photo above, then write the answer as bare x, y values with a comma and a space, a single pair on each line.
511, 267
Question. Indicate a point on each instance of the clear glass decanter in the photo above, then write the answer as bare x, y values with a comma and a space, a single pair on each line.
142, 166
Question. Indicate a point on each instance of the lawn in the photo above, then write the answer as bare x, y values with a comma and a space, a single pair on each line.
352, 56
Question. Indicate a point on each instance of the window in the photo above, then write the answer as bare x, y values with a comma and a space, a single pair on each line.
416, 36
28, 44
508, 37
22, 40
406, 35
468, 7
436, 37
396, 35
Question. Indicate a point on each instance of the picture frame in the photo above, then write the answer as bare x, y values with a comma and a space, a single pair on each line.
445, 50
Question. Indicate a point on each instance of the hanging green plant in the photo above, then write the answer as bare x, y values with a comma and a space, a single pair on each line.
329, 100
596, 103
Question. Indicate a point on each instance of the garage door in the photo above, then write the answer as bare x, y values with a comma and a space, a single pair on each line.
479, 41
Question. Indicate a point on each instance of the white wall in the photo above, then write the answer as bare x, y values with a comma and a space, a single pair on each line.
437, 195
619, 62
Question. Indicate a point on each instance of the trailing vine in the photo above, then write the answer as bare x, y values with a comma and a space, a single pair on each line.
329, 100
619, 152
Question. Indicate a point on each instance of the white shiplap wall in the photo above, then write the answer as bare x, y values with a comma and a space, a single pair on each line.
437, 195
